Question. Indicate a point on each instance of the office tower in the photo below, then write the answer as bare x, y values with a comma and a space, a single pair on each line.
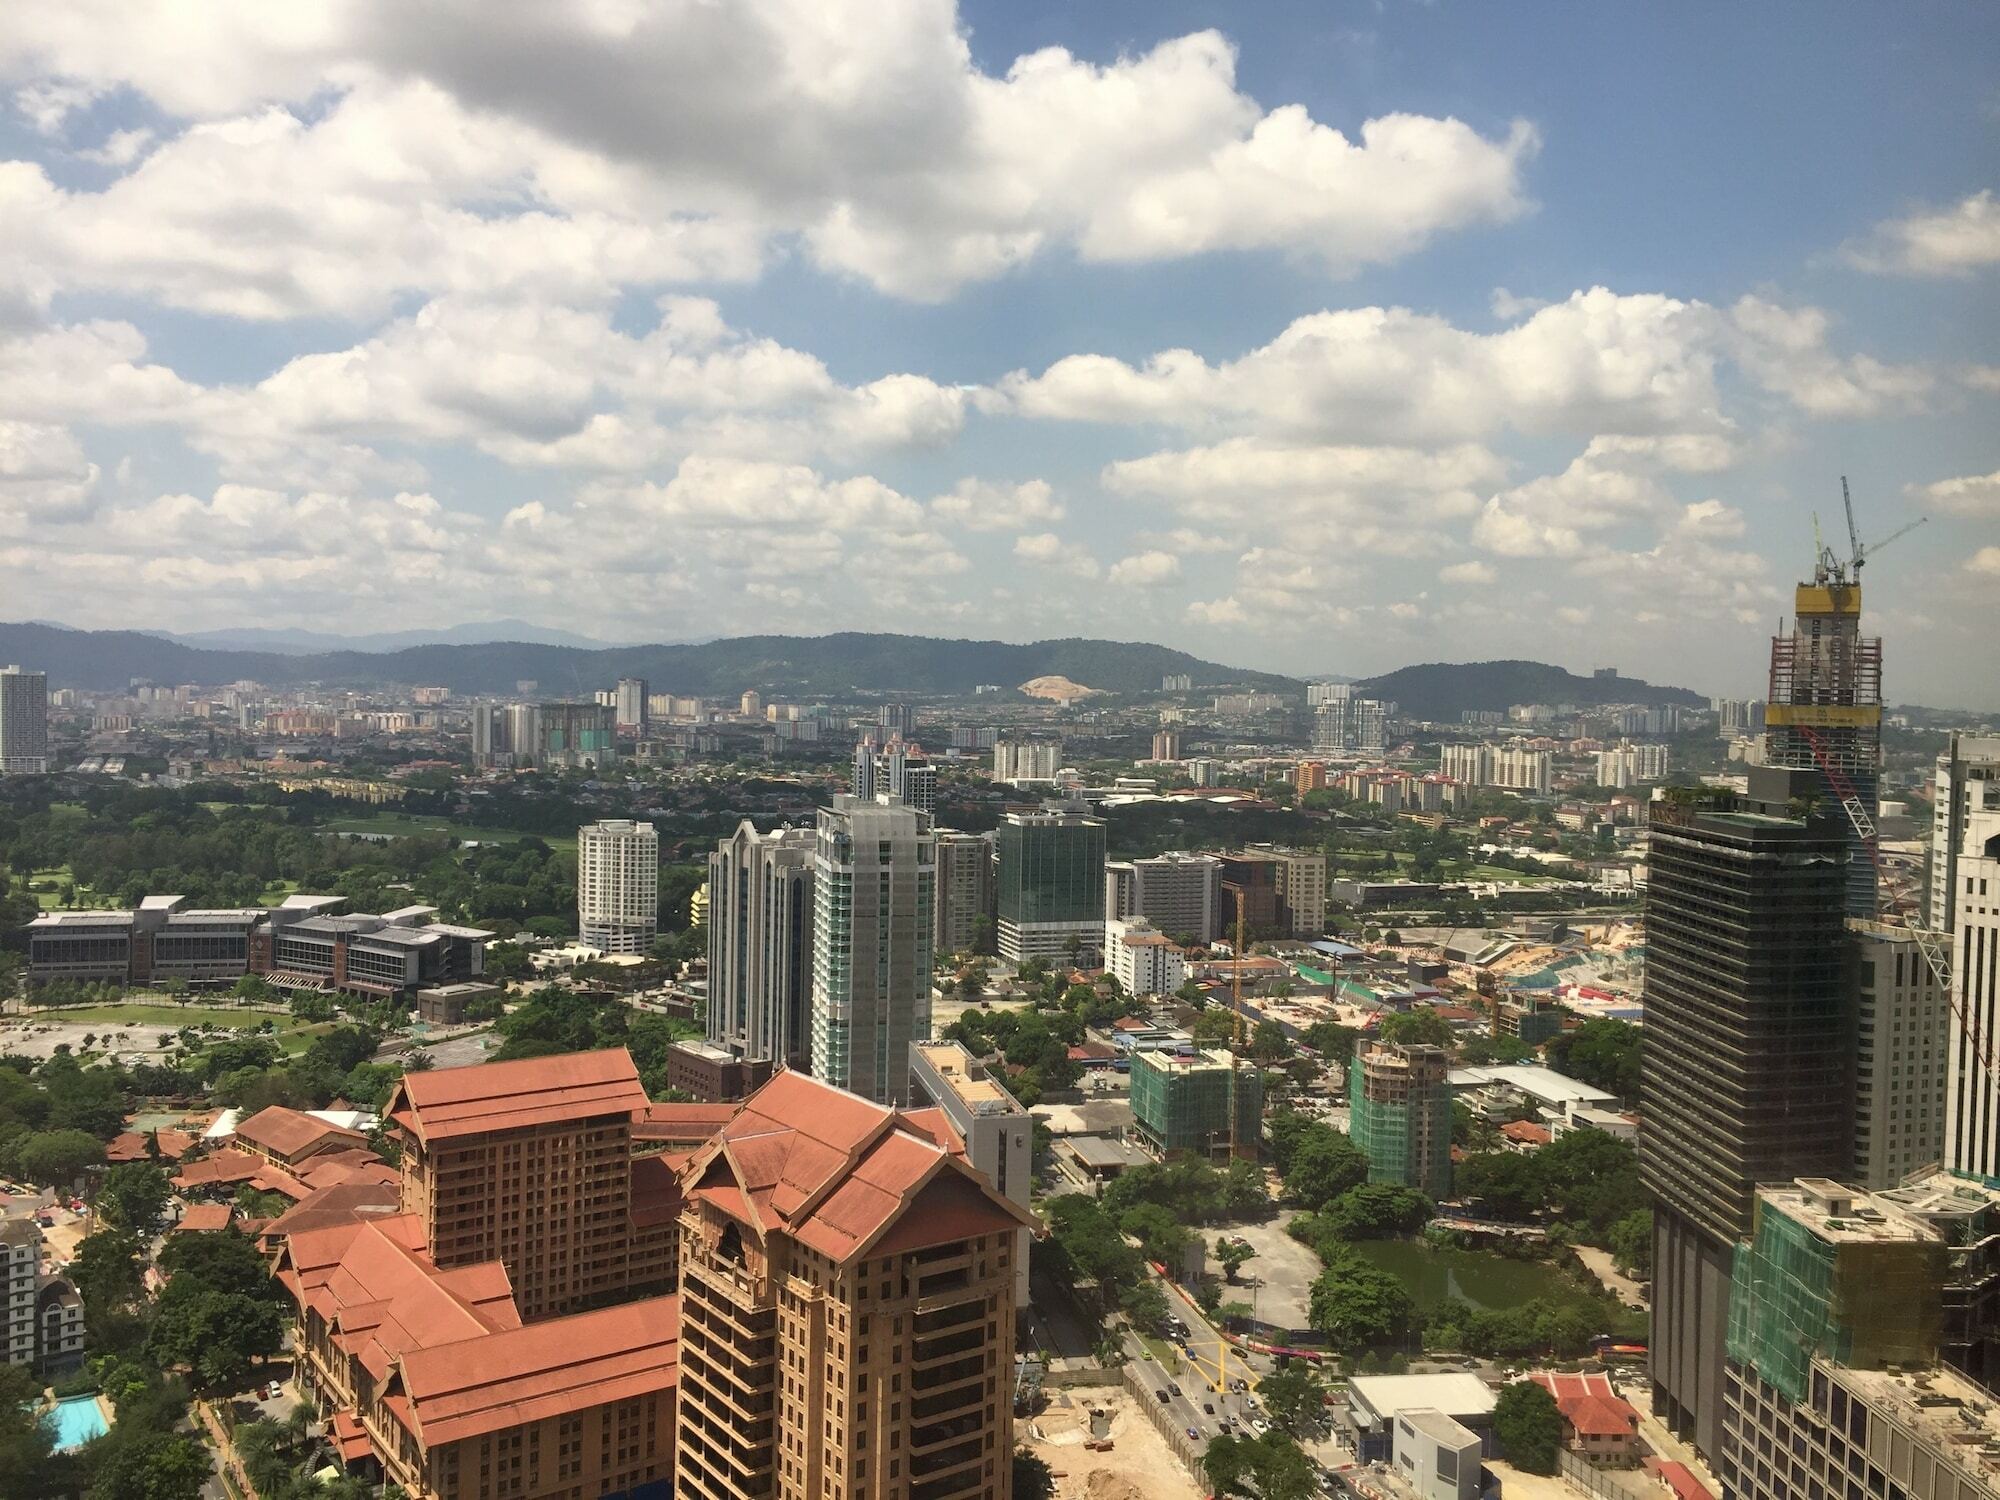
862, 782
1399, 1104
1968, 781
1250, 896
965, 893
1902, 1023
1972, 1104
632, 705
618, 885
896, 721
1825, 710
1186, 1105
874, 889
24, 721
1301, 883
998, 1135
1181, 894
1051, 883
572, 736
760, 932
1166, 745
847, 1307
1747, 1063
1026, 760
530, 1163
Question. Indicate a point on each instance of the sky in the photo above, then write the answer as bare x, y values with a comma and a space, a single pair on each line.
1315, 337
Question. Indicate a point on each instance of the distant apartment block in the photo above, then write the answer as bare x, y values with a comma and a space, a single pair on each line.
1511, 767
618, 885
1167, 745
1181, 894
24, 721
1627, 764
760, 943
1019, 760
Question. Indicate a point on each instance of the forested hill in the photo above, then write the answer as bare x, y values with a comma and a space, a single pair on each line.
1444, 690
800, 666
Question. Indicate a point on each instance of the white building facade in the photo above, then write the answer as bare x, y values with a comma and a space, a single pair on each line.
618, 885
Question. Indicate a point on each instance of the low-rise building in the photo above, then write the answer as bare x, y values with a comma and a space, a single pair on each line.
1599, 1425
1144, 960
712, 1072
1374, 1402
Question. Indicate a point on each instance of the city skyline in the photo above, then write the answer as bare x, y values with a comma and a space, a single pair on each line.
1422, 334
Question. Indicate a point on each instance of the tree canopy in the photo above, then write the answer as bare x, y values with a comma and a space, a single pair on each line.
1529, 1426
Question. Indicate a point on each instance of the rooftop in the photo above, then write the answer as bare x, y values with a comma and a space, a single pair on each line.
1961, 1419
960, 1072
1545, 1084
288, 1132
1843, 1216
1456, 1394
447, 1103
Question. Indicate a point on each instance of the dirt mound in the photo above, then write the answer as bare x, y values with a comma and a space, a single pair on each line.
1105, 1485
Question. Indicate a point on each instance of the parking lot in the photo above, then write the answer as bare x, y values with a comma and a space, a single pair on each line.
1278, 1281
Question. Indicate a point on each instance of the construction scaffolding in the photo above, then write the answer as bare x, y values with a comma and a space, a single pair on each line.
1847, 1289
1399, 1115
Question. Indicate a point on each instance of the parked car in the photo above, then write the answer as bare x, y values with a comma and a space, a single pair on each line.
273, 1391
1209, 1407
1162, 1394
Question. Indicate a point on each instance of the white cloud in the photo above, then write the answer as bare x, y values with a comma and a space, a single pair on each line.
981, 506
44, 476
1950, 241
1974, 496
574, 146
1044, 549
1145, 570
121, 148
1984, 563
1785, 351
1613, 482
1225, 611
1468, 573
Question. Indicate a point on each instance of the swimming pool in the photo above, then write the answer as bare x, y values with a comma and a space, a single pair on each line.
78, 1420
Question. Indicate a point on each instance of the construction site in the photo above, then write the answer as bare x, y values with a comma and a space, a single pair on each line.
1101, 1445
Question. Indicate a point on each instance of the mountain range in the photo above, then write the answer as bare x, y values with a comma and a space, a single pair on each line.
293, 642
829, 666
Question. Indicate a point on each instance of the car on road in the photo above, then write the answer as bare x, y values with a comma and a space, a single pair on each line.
1162, 1394
1194, 1435
1209, 1407
1259, 1426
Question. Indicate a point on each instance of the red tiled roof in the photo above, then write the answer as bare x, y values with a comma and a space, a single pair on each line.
127, 1145
1679, 1478
1527, 1132
223, 1167
450, 1102
1589, 1405
349, 1436
206, 1216
682, 1123
343, 1203
837, 1172
291, 1133
481, 1385
174, 1144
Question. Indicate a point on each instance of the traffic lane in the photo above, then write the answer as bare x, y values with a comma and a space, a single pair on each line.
1185, 1407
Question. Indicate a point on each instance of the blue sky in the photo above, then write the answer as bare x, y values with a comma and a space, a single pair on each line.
1318, 337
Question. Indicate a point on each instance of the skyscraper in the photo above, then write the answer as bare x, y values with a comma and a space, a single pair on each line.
895, 720
1902, 1027
618, 885
847, 1307
1748, 1055
965, 893
760, 933
1968, 779
1972, 1104
632, 705
1825, 710
24, 721
1051, 879
874, 884
571, 736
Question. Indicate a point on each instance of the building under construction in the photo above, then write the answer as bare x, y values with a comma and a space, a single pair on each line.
1183, 1105
1399, 1101
1825, 710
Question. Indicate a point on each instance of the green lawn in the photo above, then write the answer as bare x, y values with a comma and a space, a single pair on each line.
408, 823
140, 1013
45, 885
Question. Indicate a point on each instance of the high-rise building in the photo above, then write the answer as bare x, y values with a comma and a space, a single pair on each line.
1825, 710
1181, 894
1335, 726
1514, 767
633, 706
1627, 764
1301, 881
1183, 1105
1902, 1023
896, 721
492, 744
904, 776
24, 721
1748, 996
1371, 726
571, 736
530, 1163
1166, 745
751, 704
1968, 781
874, 889
760, 943
1142, 958
1026, 760
1250, 886
1050, 870
847, 1307
618, 885
524, 732
997, 1133
1399, 1109
965, 893
1309, 777
861, 783
1177, 682
1972, 1104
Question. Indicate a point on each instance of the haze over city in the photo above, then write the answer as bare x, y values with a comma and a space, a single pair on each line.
1310, 338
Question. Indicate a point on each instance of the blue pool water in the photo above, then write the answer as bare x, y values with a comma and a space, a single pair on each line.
77, 1421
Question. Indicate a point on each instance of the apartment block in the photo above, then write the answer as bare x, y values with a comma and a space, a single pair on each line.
618, 885
530, 1164
1019, 760
24, 721
1181, 894
1301, 881
966, 895
1512, 767
1972, 1108
1142, 958
760, 933
1967, 782
998, 1135
847, 1307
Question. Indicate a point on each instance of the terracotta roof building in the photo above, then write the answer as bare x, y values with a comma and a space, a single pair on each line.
289, 1137
847, 1305
1598, 1423
205, 1218
530, 1163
